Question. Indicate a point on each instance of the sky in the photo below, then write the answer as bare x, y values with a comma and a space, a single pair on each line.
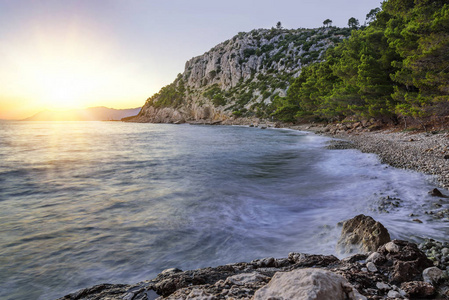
70, 54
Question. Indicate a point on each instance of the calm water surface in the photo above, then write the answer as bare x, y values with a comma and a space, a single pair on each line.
83, 203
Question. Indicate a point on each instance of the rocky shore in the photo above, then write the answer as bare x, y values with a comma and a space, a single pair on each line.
426, 152
381, 269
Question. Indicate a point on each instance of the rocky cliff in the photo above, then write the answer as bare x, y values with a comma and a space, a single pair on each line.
239, 77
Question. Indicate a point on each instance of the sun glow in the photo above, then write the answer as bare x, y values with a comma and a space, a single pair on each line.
55, 71
65, 85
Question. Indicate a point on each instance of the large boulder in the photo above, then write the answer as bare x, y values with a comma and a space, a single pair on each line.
308, 284
362, 234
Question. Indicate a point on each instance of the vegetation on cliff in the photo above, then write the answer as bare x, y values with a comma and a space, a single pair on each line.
397, 67
394, 68
243, 75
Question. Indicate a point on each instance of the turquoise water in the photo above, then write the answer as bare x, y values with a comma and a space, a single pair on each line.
83, 203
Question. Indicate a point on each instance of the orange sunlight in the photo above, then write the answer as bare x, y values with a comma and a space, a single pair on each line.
79, 70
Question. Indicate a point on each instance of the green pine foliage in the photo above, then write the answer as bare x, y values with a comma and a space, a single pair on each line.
396, 66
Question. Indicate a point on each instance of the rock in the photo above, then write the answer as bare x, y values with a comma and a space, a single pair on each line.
310, 260
101, 291
392, 247
266, 262
171, 270
418, 288
394, 294
362, 233
376, 258
246, 278
432, 275
406, 264
308, 284
196, 293
371, 267
445, 251
243, 280
382, 286
436, 193
417, 220
355, 258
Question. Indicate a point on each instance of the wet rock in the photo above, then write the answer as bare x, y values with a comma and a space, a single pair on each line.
168, 282
266, 262
247, 278
171, 270
310, 260
432, 275
407, 263
308, 284
362, 234
101, 291
418, 289
436, 193
387, 204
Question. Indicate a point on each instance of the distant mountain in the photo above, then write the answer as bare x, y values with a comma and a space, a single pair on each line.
100, 113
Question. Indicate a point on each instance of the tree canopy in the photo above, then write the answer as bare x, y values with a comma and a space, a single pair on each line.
397, 66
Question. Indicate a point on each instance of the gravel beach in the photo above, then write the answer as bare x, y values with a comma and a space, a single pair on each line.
423, 152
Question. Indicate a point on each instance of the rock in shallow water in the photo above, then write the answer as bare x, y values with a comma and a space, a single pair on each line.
362, 234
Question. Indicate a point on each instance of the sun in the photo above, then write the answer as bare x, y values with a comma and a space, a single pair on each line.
64, 84
62, 90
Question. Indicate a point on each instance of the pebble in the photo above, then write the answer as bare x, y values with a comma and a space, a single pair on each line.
394, 294
392, 247
373, 257
382, 286
394, 149
371, 267
432, 275
438, 252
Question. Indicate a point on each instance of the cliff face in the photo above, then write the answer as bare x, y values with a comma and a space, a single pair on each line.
239, 77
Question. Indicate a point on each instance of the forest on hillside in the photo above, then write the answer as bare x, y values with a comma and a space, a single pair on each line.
394, 69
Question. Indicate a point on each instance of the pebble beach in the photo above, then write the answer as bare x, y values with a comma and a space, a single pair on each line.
426, 152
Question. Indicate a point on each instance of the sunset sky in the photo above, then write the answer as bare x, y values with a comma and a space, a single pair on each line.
64, 54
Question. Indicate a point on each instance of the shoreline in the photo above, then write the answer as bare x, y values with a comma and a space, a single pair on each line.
243, 280
423, 152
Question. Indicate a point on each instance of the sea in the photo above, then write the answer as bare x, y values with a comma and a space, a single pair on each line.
84, 203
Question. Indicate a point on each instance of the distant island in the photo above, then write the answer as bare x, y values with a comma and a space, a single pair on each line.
100, 113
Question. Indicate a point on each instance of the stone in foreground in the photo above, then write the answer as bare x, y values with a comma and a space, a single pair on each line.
308, 284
